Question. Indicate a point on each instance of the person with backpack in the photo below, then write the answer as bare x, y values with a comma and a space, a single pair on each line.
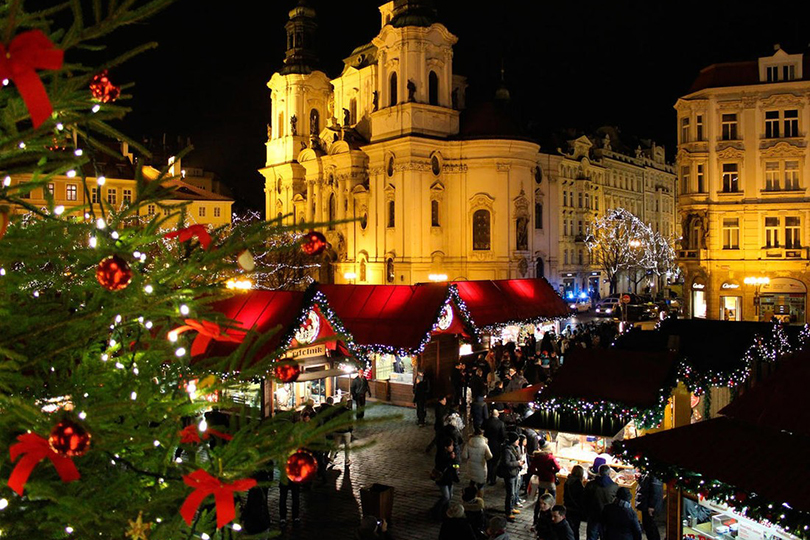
509, 469
446, 466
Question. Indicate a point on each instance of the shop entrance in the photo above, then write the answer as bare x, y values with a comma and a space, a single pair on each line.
730, 308
784, 299
698, 304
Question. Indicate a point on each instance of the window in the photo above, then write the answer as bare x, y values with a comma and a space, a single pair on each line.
792, 233
791, 123
481, 230
789, 72
701, 182
685, 185
50, 188
587, 200
731, 180
434, 213
791, 175
94, 194
771, 232
393, 89
539, 268
565, 198
772, 73
71, 192
580, 257
579, 200
127, 196
218, 211
331, 212
596, 203
538, 215
565, 259
772, 176
389, 270
314, 122
729, 127
433, 88
565, 227
201, 211
771, 124
112, 196
391, 213
364, 221
363, 270
731, 233
684, 130
150, 209
699, 127
579, 227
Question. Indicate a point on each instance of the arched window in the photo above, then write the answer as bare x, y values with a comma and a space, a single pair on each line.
538, 215
332, 213
481, 230
389, 270
434, 213
314, 122
433, 88
391, 213
539, 268
393, 89
363, 270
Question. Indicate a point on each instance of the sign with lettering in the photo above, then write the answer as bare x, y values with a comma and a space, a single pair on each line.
306, 352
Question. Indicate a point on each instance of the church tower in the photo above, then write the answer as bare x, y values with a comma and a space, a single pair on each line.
301, 106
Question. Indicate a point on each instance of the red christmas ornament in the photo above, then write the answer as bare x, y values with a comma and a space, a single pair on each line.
113, 273
69, 439
103, 89
301, 467
287, 372
313, 243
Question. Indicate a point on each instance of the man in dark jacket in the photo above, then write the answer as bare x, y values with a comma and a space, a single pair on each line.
495, 433
439, 412
598, 492
561, 528
478, 384
359, 389
508, 469
479, 412
421, 393
619, 521
650, 501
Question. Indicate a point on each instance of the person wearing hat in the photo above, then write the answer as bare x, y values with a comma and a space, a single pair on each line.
508, 469
474, 507
598, 492
372, 529
456, 526
619, 521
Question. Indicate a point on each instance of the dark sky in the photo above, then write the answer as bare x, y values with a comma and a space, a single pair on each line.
567, 64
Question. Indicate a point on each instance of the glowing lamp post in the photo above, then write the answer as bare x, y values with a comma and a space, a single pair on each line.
757, 281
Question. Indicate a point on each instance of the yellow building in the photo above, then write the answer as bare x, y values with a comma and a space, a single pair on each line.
117, 187
431, 188
744, 207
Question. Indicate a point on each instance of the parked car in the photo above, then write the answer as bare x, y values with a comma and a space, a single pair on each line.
608, 307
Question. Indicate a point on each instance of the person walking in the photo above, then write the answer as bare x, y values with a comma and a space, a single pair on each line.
508, 469
285, 488
598, 492
495, 434
545, 467
439, 412
573, 497
446, 465
619, 521
359, 388
421, 393
650, 501
478, 412
476, 453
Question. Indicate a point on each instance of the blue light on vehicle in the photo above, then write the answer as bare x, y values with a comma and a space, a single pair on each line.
570, 294
583, 295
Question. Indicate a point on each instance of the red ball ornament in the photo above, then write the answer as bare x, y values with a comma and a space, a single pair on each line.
69, 439
301, 467
313, 243
103, 89
287, 372
113, 273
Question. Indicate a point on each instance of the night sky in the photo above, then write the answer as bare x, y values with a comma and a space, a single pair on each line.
567, 64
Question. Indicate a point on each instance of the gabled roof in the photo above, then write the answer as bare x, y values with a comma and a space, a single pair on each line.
499, 302
186, 192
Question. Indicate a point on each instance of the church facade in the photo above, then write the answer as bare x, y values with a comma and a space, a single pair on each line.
382, 157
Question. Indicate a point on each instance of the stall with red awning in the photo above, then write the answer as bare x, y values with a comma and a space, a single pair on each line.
511, 301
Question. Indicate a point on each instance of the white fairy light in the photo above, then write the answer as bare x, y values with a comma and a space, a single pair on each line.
180, 352
143, 257
119, 365
203, 425
101, 180
3, 504
93, 241
96, 108
78, 152
7, 181
148, 289
2, 271
148, 325
205, 536
136, 254
133, 396
69, 529
114, 235
59, 210
172, 336
118, 319
100, 223
156, 443
21, 145
184, 310
113, 343
60, 126
105, 357
237, 527
36, 294
178, 460
82, 415
71, 173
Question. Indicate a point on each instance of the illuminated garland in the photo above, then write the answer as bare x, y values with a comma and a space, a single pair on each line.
497, 327
745, 503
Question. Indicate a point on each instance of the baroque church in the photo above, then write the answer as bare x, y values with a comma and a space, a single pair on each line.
410, 186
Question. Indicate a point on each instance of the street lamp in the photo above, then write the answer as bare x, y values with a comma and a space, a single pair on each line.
437, 277
757, 281
350, 277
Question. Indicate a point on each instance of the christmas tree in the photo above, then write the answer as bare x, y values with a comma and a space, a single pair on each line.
102, 428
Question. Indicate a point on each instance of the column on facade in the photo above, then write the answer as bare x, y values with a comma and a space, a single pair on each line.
318, 212
341, 197
310, 199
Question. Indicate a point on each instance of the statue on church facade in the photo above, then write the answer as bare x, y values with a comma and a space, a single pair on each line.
293, 125
375, 99
522, 233
411, 90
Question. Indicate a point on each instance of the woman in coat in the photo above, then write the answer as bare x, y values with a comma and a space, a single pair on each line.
476, 453
574, 498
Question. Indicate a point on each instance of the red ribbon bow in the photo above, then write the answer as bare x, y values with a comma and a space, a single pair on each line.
26, 53
184, 235
190, 434
34, 449
206, 332
204, 485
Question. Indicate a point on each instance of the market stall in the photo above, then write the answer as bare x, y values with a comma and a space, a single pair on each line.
403, 328
737, 476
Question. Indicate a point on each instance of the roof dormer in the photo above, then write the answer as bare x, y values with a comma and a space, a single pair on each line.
780, 67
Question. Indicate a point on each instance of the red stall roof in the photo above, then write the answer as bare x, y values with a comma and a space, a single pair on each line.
508, 301
399, 317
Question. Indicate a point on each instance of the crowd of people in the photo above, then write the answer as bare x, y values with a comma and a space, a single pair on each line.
498, 448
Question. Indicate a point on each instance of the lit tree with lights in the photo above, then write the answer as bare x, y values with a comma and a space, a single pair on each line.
614, 241
101, 404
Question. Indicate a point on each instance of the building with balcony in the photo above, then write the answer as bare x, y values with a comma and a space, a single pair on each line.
743, 175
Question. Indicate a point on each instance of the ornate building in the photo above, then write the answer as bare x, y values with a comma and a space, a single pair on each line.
590, 178
412, 184
742, 162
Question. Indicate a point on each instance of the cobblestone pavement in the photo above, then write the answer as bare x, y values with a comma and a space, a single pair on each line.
394, 455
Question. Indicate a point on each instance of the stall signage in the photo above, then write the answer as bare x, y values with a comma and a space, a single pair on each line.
445, 318
309, 329
307, 352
